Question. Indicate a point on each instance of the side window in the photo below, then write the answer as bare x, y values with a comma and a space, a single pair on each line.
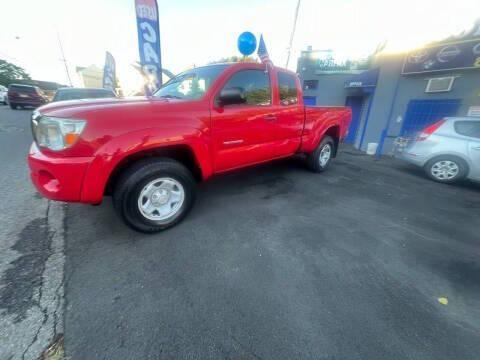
468, 128
255, 83
287, 88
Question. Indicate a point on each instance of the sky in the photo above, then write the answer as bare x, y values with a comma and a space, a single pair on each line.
194, 33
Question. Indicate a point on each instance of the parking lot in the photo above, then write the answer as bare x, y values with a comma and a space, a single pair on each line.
273, 262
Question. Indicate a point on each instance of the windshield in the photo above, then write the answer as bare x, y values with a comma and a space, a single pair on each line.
77, 94
191, 84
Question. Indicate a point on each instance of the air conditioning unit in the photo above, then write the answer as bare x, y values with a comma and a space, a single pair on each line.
440, 84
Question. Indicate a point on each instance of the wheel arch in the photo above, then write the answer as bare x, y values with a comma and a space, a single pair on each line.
334, 132
461, 156
182, 153
191, 149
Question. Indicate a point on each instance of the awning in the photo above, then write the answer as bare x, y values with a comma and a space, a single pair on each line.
365, 79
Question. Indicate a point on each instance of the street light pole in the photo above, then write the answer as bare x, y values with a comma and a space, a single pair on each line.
63, 58
293, 33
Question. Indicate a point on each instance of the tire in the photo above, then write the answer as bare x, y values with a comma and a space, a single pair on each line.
13, 106
315, 162
161, 184
446, 169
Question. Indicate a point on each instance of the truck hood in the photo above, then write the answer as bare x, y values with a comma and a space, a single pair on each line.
74, 108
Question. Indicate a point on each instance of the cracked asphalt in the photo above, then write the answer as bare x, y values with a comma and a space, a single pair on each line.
272, 263
31, 250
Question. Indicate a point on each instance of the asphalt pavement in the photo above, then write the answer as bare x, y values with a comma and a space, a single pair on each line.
31, 249
369, 260
275, 262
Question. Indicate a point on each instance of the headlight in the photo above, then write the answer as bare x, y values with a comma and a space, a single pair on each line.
56, 133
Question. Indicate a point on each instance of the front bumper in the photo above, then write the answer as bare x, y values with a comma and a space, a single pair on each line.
57, 178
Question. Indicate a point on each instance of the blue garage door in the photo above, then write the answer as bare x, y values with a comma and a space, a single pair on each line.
355, 103
309, 100
421, 113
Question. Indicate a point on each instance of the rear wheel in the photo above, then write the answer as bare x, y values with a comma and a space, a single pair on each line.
13, 106
154, 194
319, 160
446, 169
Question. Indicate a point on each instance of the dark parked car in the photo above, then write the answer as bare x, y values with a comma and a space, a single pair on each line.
63, 94
25, 95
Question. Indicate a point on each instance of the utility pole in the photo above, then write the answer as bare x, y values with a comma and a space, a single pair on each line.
293, 33
63, 58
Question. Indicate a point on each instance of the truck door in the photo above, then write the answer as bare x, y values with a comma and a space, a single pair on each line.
243, 133
289, 115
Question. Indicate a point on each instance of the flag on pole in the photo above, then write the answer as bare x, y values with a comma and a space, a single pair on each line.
109, 72
263, 53
149, 43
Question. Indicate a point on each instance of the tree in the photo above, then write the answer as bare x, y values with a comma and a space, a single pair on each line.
234, 58
9, 73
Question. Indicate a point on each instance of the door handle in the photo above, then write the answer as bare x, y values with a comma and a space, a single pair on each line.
233, 142
476, 147
270, 117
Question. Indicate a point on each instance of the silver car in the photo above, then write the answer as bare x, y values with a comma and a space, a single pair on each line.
448, 150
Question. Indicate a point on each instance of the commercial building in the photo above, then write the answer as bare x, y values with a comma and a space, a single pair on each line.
90, 76
398, 94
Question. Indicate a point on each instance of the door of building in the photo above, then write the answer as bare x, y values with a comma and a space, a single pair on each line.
421, 113
309, 100
355, 103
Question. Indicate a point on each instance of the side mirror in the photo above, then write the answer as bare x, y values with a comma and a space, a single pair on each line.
231, 96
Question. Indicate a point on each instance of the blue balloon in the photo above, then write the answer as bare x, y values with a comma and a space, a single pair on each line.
247, 43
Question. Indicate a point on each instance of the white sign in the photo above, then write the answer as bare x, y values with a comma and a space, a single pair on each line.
474, 111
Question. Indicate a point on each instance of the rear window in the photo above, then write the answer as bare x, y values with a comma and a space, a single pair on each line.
20, 88
287, 88
468, 128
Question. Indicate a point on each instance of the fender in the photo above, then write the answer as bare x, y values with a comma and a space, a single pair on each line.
319, 125
108, 156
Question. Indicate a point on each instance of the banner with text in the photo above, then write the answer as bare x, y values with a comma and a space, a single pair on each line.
109, 72
149, 43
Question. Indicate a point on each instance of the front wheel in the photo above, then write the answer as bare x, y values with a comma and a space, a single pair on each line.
154, 195
320, 159
13, 106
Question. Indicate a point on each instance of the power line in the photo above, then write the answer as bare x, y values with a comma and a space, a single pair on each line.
63, 58
293, 33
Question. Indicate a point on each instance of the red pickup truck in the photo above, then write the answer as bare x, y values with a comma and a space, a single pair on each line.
148, 153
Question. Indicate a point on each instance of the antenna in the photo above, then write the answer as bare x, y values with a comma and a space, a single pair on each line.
293, 33
63, 58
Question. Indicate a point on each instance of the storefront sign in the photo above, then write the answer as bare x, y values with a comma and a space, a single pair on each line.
451, 56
